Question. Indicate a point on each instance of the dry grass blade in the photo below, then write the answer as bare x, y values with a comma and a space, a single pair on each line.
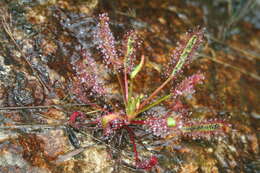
214, 59
254, 76
248, 55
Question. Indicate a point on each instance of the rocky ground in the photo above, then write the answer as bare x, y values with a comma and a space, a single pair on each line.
40, 41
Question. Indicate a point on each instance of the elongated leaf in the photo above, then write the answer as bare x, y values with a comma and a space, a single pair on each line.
137, 69
184, 55
129, 55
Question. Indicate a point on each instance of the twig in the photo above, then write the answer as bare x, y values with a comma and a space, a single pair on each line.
32, 126
9, 33
41, 107
67, 156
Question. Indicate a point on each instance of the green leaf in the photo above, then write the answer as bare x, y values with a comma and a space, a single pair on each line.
137, 69
158, 101
133, 104
184, 55
129, 51
171, 122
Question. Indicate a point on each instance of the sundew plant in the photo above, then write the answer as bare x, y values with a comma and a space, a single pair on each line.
134, 110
